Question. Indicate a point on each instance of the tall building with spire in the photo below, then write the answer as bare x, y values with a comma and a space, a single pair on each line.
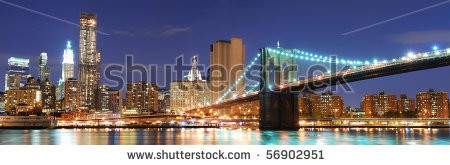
88, 60
68, 64
190, 93
67, 70
43, 69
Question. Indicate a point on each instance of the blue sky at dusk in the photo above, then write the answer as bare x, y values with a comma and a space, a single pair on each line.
156, 32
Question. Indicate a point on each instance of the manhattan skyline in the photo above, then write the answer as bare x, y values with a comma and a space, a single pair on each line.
152, 33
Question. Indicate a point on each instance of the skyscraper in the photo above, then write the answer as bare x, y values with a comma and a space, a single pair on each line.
67, 70
227, 59
141, 98
17, 72
48, 96
88, 60
68, 64
71, 95
108, 100
43, 69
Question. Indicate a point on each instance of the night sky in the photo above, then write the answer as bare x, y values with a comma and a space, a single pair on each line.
156, 32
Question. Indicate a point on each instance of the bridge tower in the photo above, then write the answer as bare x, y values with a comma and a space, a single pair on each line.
278, 109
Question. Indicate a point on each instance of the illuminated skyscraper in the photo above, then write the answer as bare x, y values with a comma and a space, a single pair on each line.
67, 70
68, 64
43, 69
108, 100
17, 72
48, 96
88, 60
227, 59
71, 95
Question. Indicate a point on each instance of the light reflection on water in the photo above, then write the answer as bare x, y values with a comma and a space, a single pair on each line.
226, 136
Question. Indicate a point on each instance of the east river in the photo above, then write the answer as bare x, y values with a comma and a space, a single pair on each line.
227, 136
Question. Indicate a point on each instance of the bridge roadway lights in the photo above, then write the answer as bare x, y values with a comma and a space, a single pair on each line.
278, 111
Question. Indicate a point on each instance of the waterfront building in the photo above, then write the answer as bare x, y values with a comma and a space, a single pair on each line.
432, 104
141, 98
48, 97
108, 100
227, 60
405, 104
88, 60
43, 69
23, 100
325, 105
190, 93
75, 115
17, 72
378, 104
72, 95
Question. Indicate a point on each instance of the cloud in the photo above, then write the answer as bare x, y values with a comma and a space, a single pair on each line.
419, 37
122, 32
170, 31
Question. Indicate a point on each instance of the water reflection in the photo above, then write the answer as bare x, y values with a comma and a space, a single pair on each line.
227, 136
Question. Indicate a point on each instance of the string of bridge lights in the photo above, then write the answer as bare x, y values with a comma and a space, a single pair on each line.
242, 77
313, 57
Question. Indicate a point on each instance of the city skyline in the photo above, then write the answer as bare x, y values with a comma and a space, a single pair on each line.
353, 45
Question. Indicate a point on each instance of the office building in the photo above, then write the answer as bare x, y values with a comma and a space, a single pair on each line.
68, 64
2, 102
43, 69
108, 100
27, 99
190, 93
17, 72
227, 60
88, 60
164, 100
48, 96
67, 70
432, 104
141, 98
72, 95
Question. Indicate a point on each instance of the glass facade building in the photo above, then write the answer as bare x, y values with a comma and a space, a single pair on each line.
17, 72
